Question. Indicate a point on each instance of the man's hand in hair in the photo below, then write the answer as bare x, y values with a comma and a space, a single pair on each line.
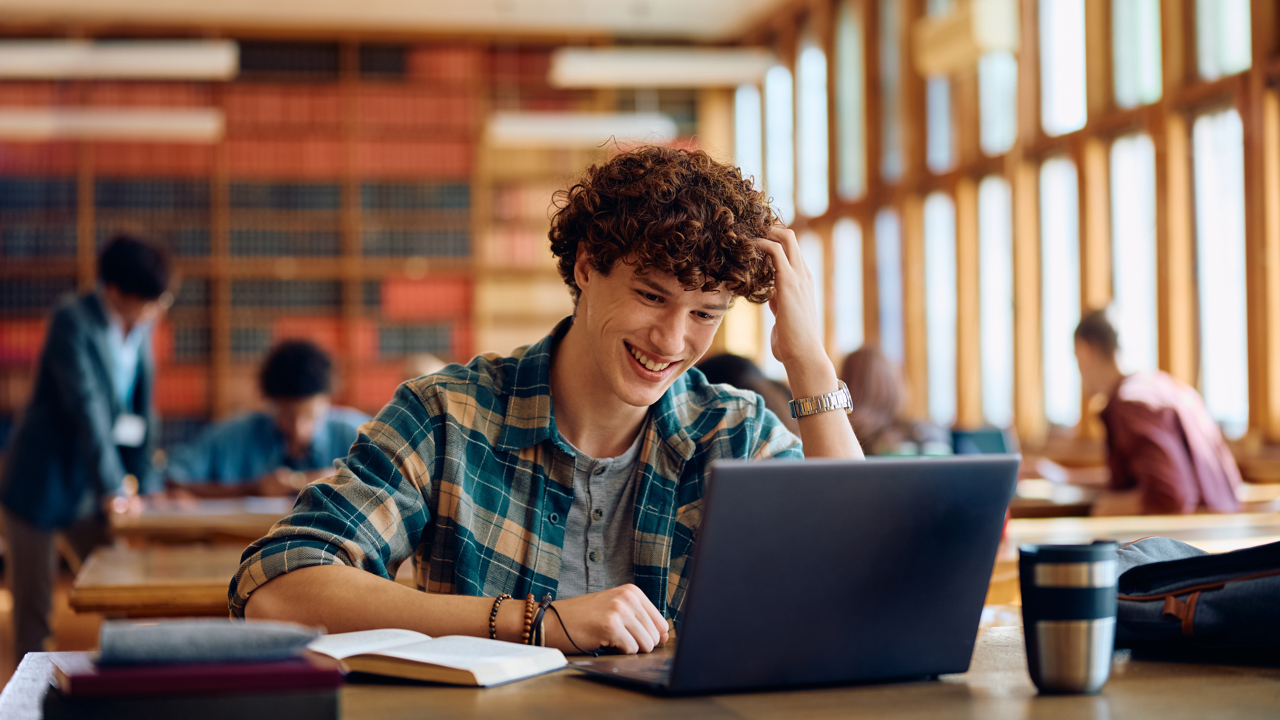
797, 334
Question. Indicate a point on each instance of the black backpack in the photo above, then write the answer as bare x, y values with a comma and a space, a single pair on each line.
1178, 600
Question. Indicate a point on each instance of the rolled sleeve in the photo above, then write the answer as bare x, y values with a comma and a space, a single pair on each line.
370, 515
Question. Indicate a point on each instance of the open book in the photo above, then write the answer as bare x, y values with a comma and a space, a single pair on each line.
455, 659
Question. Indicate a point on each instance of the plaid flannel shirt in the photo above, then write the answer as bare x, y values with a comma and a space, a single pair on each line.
465, 472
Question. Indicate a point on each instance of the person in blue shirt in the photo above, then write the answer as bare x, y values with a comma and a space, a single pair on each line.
275, 452
84, 444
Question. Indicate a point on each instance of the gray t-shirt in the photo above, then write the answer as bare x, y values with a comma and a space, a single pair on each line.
599, 534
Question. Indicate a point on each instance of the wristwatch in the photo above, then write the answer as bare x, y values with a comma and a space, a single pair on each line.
800, 407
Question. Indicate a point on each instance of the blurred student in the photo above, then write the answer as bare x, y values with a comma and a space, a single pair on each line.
743, 374
877, 391
85, 441
1164, 452
275, 452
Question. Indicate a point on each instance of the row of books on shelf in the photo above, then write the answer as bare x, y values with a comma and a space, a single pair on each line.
524, 201
163, 193
325, 158
322, 107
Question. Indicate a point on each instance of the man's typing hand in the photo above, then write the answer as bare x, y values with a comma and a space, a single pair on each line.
621, 618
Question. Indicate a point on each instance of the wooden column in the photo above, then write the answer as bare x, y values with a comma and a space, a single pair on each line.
1270, 310
914, 328
869, 12
1023, 177
1259, 117
1171, 136
1028, 385
968, 308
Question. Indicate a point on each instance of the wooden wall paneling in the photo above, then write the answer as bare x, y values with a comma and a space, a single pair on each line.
915, 331
1270, 309
968, 324
1028, 103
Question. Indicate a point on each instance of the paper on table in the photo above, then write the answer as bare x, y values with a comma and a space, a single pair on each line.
345, 645
465, 653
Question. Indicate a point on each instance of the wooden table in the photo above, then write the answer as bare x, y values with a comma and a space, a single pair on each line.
1213, 533
176, 580
997, 687
161, 581
231, 520
1039, 498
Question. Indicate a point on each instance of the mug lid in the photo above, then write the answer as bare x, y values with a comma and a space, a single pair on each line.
1093, 552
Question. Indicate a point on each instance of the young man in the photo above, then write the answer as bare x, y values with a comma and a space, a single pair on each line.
576, 466
1165, 453
89, 426
275, 452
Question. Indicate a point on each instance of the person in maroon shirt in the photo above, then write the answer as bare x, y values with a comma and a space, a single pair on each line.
1165, 453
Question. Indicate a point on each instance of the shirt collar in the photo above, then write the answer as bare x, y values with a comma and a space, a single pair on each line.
530, 418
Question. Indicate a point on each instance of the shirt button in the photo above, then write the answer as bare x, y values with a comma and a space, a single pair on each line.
554, 518
594, 556
597, 514
598, 471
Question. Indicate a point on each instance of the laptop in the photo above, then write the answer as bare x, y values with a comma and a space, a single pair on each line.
828, 572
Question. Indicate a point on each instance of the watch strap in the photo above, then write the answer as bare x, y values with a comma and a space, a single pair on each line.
839, 399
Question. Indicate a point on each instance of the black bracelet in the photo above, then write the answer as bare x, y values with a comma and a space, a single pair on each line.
547, 599
538, 634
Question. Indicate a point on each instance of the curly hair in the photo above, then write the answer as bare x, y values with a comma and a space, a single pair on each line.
671, 211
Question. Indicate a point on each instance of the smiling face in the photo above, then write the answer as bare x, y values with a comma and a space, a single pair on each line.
644, 331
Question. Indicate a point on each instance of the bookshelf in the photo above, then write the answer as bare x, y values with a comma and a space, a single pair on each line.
353, 200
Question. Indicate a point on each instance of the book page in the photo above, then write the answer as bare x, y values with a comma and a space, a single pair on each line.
468, 653
343, 645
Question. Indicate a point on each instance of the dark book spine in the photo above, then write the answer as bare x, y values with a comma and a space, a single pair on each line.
313, 704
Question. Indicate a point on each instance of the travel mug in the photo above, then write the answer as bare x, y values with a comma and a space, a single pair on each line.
1069, 614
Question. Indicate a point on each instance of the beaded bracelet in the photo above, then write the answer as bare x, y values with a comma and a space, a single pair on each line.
527, 636
493, 615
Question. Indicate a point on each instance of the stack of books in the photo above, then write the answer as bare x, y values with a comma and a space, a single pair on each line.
303, 686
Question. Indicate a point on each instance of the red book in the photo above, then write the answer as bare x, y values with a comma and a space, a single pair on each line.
76, 674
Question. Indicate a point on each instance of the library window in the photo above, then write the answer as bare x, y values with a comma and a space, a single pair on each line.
1133, 250
748, 133
1218, 164
814, 257
891, 160
1060, 289
995, 300
1062, 78
940, 305
779, 142
997, 101
846, 246
937, 100
851, 99
1223, 44
1135, 47
889, 282
811, 132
